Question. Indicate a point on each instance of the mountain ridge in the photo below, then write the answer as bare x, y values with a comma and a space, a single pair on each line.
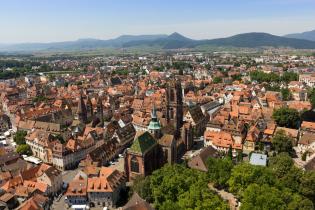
307, 35
162, 41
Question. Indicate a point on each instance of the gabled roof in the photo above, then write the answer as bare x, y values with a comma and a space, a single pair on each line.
199, 162
137, 203
143, 143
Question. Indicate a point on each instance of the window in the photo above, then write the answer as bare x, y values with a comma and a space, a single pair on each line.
134, 164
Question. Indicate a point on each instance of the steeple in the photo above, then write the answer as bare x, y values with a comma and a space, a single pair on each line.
82, 113
99, 107
89, 108
154, 125
179, 105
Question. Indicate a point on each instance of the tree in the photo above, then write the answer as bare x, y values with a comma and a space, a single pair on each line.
300, 203
286, 117
289, 76
288, 175
262, 197
240, 156
281, 164
24, 149
230, 153
219, 171
175, 186
269, 197
304, 155
286, 94
60, 138
217, 80
307, 186
282, 143
19, 137
141, 185
245, 174
200, 197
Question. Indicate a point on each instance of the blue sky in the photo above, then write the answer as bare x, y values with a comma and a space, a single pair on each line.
61, 20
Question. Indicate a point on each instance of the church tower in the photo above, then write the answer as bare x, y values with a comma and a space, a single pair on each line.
82, 113
89, 108
99, 109
174, 105
154, 126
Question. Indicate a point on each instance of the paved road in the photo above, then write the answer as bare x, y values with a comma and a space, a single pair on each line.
119, 165
232, 200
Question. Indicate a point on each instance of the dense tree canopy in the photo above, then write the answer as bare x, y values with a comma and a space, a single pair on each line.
261, 76
286, 117
175, 186
245, 174
281, 185
286, 94
217, 80
282, 143
24, 149
262, 197
219, 171
19, 137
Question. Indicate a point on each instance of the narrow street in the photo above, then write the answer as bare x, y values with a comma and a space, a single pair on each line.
232, 200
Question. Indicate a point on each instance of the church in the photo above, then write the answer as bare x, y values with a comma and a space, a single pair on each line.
158, 145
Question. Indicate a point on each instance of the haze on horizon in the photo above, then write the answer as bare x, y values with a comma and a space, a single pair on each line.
60, 20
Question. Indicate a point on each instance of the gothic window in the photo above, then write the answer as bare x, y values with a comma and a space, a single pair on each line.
134, 164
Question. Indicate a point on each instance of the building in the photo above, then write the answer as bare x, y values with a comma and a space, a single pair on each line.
76, 193
136, 202
308, 79
104, 190
258, 159
143, 157
199, 162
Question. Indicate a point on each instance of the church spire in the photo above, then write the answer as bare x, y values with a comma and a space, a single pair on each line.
154, 125
99, 107
82, 113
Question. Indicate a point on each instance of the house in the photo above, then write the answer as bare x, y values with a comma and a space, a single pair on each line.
124, 136
258, 159
222, 141
36, 202
306, 143
46, 174
137, 203
308, 127
197, 119
308, 79
76, 193
298, 94
293, 133
9, 200
104, 190
199, 162
100, 156
252, 137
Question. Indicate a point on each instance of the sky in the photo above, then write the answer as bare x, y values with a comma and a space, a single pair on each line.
64, 20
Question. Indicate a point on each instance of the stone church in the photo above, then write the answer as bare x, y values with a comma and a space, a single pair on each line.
161, 144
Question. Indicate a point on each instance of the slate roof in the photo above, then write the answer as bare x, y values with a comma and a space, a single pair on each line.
142, 143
